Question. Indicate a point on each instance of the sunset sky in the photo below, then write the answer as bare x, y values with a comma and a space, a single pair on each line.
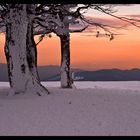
91, 53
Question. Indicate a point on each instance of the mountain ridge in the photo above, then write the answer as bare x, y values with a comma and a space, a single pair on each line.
52, 73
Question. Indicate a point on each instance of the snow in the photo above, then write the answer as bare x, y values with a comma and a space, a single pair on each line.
132, 85
94, 108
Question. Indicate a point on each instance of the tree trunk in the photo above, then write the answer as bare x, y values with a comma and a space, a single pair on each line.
32, 51
66, 76
20, 77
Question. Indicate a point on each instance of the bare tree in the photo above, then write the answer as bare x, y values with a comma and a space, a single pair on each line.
59, 21
17, 20
68, 14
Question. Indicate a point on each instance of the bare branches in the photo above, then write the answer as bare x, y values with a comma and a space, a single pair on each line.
54, 17
107, 9
64, 15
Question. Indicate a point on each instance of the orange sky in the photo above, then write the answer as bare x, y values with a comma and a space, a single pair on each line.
89, 52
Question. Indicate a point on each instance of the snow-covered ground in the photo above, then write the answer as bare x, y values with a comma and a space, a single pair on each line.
132, 85
94, 108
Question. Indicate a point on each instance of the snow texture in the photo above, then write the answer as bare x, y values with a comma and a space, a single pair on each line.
94, 108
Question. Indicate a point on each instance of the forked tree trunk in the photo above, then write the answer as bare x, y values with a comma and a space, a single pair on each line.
66, 76
32, 51
20, 77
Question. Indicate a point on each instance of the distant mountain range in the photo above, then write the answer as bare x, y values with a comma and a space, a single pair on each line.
52, 73
109, 75
46, 73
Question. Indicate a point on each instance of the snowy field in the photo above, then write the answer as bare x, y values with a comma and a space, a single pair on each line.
132, 85
93, 108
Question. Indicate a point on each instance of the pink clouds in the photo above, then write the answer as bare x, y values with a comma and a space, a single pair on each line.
109, 21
